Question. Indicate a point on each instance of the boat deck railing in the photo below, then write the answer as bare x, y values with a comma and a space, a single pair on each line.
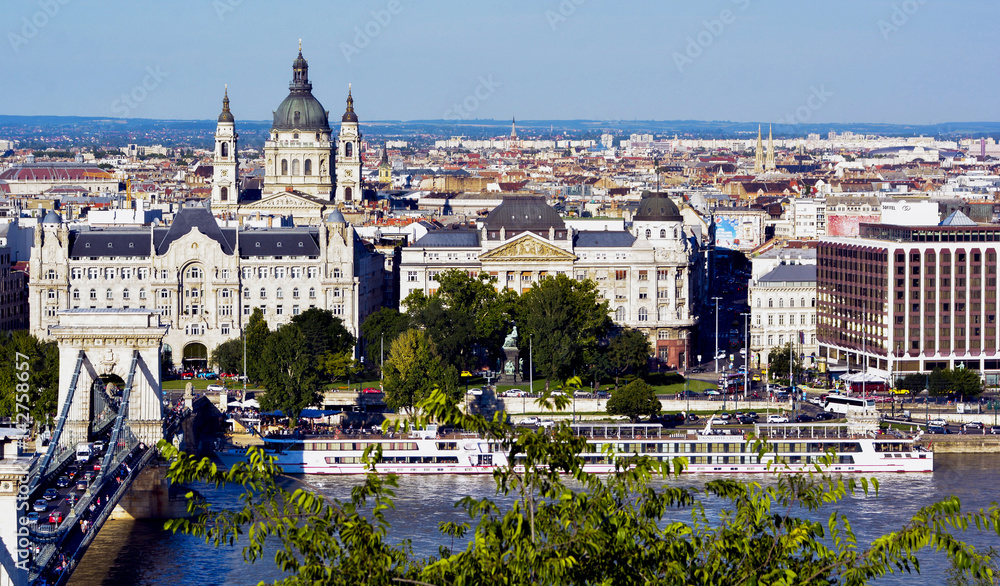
824, 431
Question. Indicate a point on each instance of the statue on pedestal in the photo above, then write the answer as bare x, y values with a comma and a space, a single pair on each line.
511, 340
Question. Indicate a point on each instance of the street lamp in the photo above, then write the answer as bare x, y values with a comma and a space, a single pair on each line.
746, 355
716, 299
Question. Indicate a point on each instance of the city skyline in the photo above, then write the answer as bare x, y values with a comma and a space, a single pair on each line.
853, 62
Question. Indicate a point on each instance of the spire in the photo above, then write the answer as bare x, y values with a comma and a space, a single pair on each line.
758, 164
385, 154
349, 115
769, 166
513, 128
300, 74
226, 115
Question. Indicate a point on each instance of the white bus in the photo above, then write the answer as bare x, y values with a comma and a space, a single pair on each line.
841, 404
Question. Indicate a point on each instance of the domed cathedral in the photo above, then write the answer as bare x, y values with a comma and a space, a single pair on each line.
299, 154
349, 187
226, 168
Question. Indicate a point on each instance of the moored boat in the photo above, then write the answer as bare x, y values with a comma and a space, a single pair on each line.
792, 448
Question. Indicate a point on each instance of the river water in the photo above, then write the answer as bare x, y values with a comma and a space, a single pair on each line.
141, 552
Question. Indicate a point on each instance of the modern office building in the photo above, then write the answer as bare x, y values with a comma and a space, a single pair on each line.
904, 299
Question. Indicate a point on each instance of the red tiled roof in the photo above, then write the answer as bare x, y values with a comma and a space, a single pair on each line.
55, 173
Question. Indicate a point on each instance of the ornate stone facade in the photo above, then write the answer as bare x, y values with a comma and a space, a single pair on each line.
650, 275
203, 280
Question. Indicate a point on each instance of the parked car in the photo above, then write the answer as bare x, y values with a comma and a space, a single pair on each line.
546, 423
370, 390
803, 418
215, 387
692, 417
530, 420
824, 416
938, 429
777, 419
712, 392
581, 394
973, 425
995, 430
50, 494
514, 393
937, 423
475, 391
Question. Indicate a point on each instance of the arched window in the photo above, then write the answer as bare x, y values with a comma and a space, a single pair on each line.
125, 294
620, 314
263, 293
662, 312
348, 149
781, 302
225, 150
295, 293
663, 233
336, 273
142, 293
649, 234
803, 302
295, 166
348, 194
279, 293
758, 302
770, 302
76, 293
225, 293
312, 293
224, 194
643, 314
791, 302
284, 166
309, 167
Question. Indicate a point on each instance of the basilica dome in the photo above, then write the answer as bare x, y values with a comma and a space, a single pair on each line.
300, 110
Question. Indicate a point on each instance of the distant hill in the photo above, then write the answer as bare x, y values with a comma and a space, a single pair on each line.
36, 131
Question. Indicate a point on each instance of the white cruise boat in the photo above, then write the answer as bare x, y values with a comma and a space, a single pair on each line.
794, 448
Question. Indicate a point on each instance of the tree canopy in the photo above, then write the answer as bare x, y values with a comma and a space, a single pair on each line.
413, 369
634, 400
959, 381
228, 356
39, 391
289, 373
379, 330
257, 333
564, 320
629, 350
563, 526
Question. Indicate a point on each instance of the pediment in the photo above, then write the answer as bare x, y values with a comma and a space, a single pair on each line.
527, 248
284, 200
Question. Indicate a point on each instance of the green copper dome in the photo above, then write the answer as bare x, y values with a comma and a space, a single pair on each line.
300, 110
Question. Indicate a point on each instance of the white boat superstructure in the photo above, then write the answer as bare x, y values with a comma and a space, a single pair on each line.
793, 448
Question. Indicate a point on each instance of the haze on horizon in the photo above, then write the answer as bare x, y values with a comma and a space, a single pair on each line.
891, 61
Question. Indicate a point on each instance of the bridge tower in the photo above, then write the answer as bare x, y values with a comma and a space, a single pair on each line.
102, 342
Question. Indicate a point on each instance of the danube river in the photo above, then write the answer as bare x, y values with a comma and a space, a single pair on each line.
127, 553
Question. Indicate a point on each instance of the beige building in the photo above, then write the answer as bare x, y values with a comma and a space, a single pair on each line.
650, 275
204, 280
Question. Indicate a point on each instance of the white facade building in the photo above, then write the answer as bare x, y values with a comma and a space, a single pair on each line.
204, 280
651, 275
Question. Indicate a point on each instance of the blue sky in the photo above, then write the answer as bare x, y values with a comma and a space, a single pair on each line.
894, 61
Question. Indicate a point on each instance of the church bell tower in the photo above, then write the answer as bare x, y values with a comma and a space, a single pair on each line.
349, 156
226, 166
